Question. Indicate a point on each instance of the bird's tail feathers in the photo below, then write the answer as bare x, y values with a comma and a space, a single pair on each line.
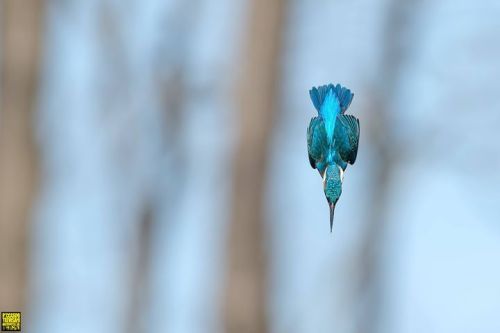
343, 94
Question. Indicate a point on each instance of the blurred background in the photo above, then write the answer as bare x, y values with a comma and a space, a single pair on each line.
154, 173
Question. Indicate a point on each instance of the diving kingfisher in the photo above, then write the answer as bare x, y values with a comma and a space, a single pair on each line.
332, 139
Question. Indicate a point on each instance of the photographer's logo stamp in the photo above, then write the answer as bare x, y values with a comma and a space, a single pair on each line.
11, 321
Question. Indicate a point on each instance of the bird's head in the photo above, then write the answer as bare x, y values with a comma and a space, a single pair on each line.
332, 185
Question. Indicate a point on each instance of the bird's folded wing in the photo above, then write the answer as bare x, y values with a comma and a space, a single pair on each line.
347, 137
315, 136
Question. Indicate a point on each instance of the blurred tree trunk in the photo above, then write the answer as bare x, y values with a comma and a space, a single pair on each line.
20, 27
396, 47
245, 299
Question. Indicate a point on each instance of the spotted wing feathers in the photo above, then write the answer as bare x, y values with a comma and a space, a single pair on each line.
313, 141
347, 137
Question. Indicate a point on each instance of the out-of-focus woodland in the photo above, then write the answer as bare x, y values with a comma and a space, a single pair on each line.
154, 173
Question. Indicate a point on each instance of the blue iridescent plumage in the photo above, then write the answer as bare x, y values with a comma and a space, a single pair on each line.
332, 139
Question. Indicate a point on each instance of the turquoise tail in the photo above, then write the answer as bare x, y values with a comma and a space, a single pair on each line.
343, 94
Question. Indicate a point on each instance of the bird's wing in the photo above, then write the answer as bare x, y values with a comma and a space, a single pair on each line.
347, 137
315, 135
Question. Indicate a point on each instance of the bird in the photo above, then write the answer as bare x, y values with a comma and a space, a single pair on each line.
332, 139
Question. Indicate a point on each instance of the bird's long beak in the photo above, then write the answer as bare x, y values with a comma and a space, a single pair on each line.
332, 210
